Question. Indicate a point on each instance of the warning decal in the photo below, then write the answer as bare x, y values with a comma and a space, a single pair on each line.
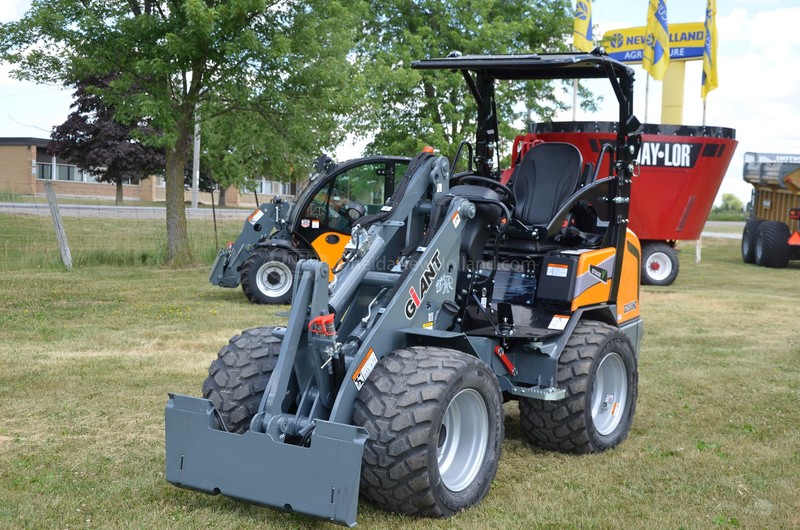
559, 322
557, 269
366, 367
255, 216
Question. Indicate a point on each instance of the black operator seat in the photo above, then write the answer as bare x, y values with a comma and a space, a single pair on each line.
549, 173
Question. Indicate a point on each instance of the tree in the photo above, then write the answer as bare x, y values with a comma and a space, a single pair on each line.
95, 141
730, 203
414, 108
172, 57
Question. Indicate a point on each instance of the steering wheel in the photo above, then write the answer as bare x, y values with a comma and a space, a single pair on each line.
507, 194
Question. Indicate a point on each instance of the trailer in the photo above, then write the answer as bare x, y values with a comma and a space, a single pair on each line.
771, 236
680, 170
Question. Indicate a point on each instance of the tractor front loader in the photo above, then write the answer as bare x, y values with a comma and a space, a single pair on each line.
316, 225
461, 293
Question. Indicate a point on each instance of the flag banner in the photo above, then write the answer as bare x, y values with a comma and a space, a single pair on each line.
710, 50
686, 42
655, 58
582, 32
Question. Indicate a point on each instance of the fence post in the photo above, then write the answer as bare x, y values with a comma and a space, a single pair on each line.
61, 236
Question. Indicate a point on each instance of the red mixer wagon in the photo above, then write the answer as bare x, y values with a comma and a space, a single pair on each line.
681, 169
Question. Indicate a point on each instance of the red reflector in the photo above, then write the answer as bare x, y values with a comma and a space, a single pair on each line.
230, 245
427, 149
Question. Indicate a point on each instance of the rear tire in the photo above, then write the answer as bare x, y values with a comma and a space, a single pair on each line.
237, 378
659, 264
749, 235
772, 245
268, 276
435, 423
598, 370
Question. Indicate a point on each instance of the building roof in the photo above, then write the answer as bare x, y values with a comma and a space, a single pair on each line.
38, 142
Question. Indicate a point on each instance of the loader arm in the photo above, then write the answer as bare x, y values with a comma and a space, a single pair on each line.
303, 426
258, 226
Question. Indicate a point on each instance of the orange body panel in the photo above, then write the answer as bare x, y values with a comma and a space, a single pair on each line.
628, 294
593, 282
330, 253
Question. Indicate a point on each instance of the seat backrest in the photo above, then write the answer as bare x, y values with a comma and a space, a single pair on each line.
548, 174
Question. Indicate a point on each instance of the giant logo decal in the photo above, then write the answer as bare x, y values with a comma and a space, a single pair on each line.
425, 282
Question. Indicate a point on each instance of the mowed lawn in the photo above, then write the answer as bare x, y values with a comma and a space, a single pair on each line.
89, 356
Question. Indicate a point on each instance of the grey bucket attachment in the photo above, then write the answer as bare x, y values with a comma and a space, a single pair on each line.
321, 480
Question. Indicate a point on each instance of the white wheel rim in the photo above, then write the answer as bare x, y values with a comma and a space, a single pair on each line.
274, 279
658, 266
463, 440
610, 394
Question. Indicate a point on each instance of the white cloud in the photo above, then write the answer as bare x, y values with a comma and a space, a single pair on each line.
13, 9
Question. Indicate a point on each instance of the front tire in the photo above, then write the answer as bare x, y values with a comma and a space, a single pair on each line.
435, 423
598, 370
268, 276
237, 378
659, 264
772, 245
749, 235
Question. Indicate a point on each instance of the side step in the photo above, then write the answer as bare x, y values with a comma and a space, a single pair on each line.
321, 480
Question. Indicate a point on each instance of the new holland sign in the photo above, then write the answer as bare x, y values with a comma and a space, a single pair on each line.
686, 42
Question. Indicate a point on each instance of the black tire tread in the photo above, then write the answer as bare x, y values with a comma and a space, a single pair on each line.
238, 376
250, 269
400, 400
561, 425
775, 250
749, 235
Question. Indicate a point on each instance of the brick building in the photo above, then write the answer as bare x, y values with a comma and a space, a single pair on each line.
25, 165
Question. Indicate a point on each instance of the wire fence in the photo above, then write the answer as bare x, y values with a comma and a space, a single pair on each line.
100, 233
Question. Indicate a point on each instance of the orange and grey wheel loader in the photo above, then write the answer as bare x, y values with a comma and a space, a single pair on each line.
316, 225
460, 294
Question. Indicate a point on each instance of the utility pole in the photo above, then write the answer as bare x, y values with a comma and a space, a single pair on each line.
196, 161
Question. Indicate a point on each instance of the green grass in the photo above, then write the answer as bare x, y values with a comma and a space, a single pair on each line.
724, 227
727, 216
10, 196
29, 241
89, 356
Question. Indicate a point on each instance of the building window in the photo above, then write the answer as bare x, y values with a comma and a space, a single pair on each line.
271, 187
63, 172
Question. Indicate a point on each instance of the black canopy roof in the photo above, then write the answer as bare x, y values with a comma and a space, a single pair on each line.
533, 66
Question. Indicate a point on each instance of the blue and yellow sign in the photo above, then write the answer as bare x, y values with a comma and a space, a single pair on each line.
686, 42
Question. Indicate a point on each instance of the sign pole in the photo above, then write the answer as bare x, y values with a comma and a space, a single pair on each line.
574, 100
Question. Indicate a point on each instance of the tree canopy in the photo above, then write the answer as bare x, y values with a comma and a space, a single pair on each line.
281, 67
275, 82
413, 108
95, 141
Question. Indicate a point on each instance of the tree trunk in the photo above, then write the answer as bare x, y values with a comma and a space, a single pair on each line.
178, 250
221, 201
120, 195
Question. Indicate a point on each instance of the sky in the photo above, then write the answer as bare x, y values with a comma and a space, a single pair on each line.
758, 93
759, 79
